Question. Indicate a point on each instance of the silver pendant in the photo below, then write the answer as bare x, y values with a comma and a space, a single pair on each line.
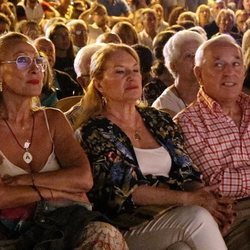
27, 157
26, 145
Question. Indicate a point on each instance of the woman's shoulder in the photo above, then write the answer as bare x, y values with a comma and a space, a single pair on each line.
152, 113
52, 115
95, 124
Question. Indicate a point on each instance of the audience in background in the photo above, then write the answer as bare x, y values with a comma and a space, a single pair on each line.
203, 15
126, 32
108, 37
64, 84
59, 34
149, 23
78, 30
100, 22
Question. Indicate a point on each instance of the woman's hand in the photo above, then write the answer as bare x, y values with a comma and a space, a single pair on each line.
221, 208
50, 194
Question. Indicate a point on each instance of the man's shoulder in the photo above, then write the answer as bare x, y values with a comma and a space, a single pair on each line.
193, 110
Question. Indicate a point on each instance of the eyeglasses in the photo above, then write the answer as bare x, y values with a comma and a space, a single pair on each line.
24, 62
78, 32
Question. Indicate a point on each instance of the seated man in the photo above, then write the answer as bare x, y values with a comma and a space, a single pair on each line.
216, 126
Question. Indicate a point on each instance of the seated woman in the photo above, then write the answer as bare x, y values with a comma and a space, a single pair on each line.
139, 164
44, 172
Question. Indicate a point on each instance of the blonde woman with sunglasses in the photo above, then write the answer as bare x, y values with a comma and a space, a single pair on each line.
44, 172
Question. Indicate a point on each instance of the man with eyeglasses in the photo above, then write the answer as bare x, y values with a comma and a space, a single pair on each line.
78, 30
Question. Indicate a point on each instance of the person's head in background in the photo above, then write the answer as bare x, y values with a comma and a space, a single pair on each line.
29, 28
241, 18
137, 20
225, 20
78, 30
4, 24
187, 16
46, 46
187, 24
179, 54
149, 21
20, 13
174, 14
175, 28
245, 41
246, 6
82, 63
216, 7
146, 61
79, 7
203, 15
108, 37
159, 42
59, 34
126, 32
99, 15
159, 11
199, 30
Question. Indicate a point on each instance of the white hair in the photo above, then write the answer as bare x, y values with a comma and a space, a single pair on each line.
224, 38
82, 59
172, 49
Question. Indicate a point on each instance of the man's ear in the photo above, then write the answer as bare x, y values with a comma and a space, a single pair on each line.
172, 66
198, 75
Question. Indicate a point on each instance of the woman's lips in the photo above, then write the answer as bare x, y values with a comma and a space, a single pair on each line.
33, 82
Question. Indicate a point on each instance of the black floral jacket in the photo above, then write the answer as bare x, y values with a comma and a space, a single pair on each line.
115, 168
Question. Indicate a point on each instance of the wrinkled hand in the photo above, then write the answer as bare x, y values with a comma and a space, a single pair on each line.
221, 208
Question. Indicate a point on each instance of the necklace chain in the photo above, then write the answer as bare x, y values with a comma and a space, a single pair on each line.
136, 133
27, 157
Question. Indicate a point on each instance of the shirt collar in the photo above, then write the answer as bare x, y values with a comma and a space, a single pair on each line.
215, 106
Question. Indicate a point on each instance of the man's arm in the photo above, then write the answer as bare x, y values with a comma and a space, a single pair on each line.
234, 181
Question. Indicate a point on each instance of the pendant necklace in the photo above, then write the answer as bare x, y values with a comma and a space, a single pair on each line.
136, 133
27, 156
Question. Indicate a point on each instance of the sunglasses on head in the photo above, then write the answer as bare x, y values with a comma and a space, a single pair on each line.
24, 62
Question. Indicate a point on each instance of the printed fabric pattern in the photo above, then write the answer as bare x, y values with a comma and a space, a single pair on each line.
115, 168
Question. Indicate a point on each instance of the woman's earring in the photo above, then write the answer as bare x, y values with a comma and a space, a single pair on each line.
104, 101
1, 86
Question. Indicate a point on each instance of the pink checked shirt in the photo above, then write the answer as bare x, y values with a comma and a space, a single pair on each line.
217, 146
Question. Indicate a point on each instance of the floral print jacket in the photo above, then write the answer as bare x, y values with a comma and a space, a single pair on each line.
115, 168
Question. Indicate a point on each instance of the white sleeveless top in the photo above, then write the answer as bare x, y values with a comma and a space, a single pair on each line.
156, 161
8, 168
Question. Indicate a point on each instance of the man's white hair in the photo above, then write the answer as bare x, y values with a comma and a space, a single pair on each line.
224, 38
82, 59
